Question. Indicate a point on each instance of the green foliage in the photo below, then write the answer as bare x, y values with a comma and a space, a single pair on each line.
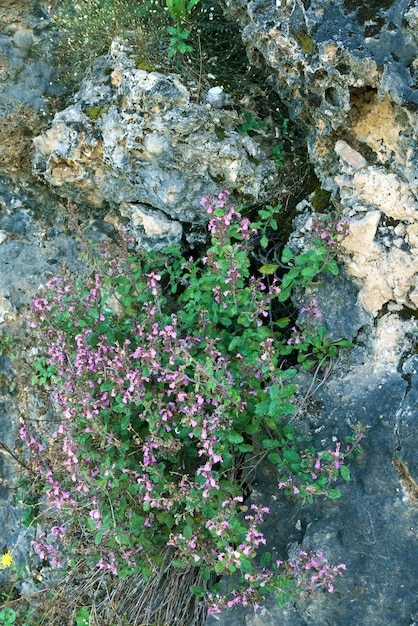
168, 370
304, 269
180, 10
277, 153
82, 617
267, 222
178, 40
317, 348
6, 342
44, 372
7, 616
251, 123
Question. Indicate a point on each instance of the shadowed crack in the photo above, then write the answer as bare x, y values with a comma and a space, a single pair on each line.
409, 485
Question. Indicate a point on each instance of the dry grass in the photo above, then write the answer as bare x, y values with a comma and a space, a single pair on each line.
165, 599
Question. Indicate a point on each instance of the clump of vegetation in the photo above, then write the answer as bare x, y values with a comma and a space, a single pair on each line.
168, 376
85, 30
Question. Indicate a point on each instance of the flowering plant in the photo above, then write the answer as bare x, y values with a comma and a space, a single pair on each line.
167, 373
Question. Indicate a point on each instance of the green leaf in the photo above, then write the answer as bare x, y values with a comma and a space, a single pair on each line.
343, 343
270, 444
188, 532
284, 294
289, 432
246, 566
106, 386
309, 272
234, 437
287, 255
269, 268
333, 494
275, 458
332, 267
197, 591
279, 408
264, 241
345, 472
288, 391
125, 421
99, 536
253, 428
291, 456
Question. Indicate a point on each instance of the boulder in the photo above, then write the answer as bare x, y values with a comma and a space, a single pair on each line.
347, 71
135, 139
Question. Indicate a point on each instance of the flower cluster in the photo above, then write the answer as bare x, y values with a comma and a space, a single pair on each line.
46, 550
296, 338
164, 372
311, 311
330, 229
305, 575
314, 471
311, 572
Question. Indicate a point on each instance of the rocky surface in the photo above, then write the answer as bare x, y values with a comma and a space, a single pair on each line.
135, 147
27, 80
347, 70
372, 528
135, 140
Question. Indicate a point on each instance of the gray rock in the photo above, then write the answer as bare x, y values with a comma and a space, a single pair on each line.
142, 130
371, 528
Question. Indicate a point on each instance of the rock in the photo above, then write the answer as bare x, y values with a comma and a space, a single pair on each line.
216, 97
142, 130
371, 528
148, 224
349, 155
347, 71
27, 81
337, 301
135, 146
385, 274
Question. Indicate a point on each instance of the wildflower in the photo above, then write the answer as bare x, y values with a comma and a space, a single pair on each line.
6, 559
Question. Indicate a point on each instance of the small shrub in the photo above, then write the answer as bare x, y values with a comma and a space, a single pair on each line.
85, 30
168, 373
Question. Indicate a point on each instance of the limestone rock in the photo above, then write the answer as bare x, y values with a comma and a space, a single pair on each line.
347, 70
374, 520
135, 137
27, 81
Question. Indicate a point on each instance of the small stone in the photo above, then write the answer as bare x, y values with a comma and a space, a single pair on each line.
216, 97
349, 155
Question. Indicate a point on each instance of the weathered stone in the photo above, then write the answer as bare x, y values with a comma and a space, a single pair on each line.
148, 224
349, 155
27, 81
141, 129
347, 70
339, 306
371, 527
